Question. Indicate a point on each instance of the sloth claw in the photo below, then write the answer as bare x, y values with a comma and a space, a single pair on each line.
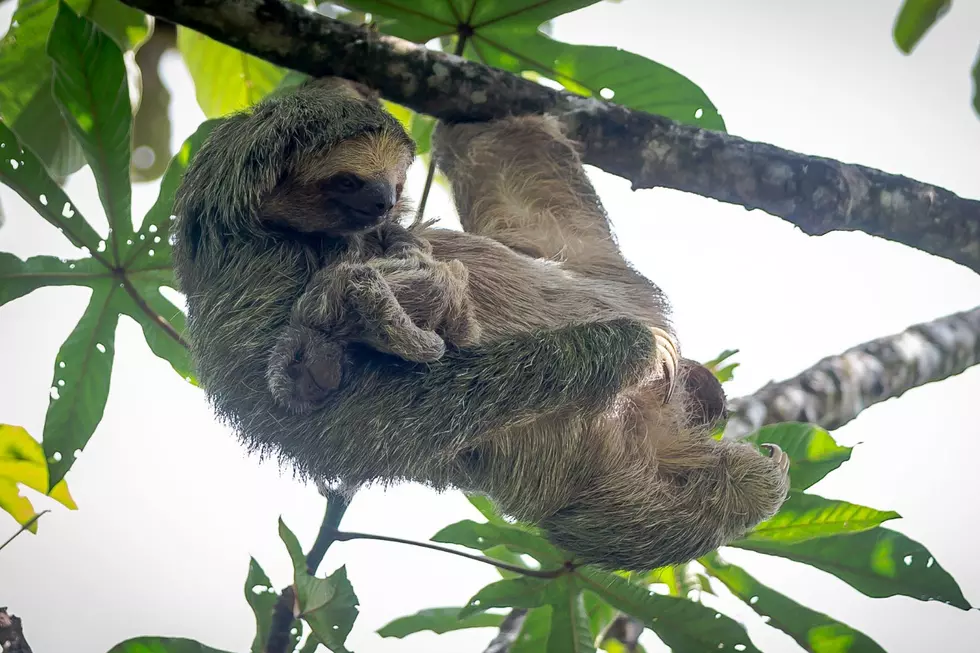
671, 359
776, 453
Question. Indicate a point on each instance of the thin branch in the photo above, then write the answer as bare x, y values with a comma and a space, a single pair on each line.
283, 616
816, 194
838, 388
337, 505
24, 527
344, 536
510, 628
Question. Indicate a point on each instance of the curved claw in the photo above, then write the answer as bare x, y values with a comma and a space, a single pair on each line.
671, 359
777, 454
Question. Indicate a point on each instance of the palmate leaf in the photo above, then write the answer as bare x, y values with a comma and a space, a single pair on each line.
261, 597
813, 452
483, 537
92, 89
225, 79
26, 103
807, 516
505, 34
877, 562
812, 630
22, 462
328, 605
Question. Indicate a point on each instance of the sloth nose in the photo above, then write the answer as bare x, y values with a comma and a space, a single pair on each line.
373, 199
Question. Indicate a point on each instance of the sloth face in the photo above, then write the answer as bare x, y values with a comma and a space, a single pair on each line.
350, 189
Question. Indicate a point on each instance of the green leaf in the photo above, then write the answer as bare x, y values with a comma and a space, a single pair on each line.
18, 278
808, 516
485, 536
90, 87
812, 630
26, 104
878, 562
261, 597
128, 27
533, 637
683, 625
21, 170
328, 605
812, 450
439, 621
520, 592
225, 79
152, 249
162, 645
81, 380
570, 631
915, 18
976, 84
486, 508
505, 34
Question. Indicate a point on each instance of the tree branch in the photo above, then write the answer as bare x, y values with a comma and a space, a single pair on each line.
12, 634
838, 388
816, 194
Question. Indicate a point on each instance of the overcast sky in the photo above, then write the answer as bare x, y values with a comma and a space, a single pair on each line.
171, 508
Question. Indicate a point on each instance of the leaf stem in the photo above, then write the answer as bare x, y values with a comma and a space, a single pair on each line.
568, 567
153, 315
30, 522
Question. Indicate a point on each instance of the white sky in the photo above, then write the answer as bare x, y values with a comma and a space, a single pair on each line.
171, 508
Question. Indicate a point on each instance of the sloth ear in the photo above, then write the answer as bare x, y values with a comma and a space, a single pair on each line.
706, 397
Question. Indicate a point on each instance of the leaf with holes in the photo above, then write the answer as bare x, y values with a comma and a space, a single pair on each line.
439, 621
18, 278
328, 605
915, 18
808, 516
21, 171
91, 89
812, 630
520, 592
262, 597
683, 625
225, 79
812, 451
485, 536
22, 463
162, 645
877, 562
506, 35
80, 386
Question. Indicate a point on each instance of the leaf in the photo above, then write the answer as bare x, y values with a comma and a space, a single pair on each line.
225, 79
22, 462
162, 645
569, 632
533, 637
877, 562
506, 35
683, 625
976, 84
328, 605
91, 89
807, 516
81, 380
261, 597
812, 630
485, 536
915, 18
18, 278
439, 621
722, 372
128, 27
486, 508
22, 172
813, 452
152, 249
520, 592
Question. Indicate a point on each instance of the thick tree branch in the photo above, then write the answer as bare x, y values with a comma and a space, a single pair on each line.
12, 634
838, 388
816, 194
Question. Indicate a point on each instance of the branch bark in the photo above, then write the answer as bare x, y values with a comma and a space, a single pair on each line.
12, 634
816, 194
836, 389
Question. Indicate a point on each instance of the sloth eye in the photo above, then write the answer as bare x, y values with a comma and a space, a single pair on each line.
345, 183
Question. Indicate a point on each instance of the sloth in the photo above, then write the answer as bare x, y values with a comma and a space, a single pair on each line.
563, 396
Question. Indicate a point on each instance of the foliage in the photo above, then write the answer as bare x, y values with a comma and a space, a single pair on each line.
65, 98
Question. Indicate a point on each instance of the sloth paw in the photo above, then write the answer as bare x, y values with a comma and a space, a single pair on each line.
304, 368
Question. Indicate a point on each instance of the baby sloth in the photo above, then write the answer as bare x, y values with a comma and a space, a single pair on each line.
522, 358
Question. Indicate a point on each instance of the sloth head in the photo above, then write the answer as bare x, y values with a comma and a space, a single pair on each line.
351, 184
